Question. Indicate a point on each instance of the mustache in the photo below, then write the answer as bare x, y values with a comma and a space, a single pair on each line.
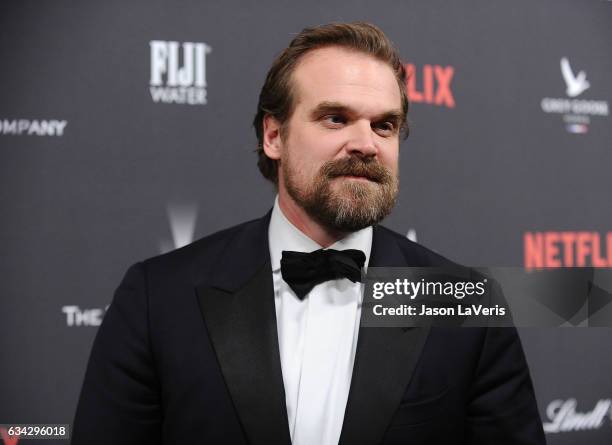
356, 166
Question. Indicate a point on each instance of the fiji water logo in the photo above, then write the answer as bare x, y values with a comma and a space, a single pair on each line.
178, 72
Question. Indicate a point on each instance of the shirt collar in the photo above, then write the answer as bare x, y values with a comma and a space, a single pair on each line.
283, 235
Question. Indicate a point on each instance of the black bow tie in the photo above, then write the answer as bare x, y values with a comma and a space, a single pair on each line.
303, 271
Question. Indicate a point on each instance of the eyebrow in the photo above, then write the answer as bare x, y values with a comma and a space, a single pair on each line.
396, 115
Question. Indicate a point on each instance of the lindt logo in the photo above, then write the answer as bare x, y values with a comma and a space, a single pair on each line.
564, 417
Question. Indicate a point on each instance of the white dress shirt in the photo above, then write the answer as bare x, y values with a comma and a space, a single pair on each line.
317, 337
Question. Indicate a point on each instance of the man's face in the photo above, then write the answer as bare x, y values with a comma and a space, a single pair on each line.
340, 148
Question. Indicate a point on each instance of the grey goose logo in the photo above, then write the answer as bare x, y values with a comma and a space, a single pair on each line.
182, 219
577, 113
576, 85
412, 235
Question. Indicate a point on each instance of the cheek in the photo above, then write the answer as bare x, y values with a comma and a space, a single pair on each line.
302, 167
390, 158
310, 150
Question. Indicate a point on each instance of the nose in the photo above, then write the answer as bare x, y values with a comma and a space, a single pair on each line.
361, 140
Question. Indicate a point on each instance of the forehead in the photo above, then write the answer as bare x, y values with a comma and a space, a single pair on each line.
355, 79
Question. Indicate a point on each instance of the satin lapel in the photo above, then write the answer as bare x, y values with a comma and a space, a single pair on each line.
240, 318
384, 361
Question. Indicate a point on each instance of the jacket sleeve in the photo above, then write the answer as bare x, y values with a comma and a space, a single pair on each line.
120, 398
502, 408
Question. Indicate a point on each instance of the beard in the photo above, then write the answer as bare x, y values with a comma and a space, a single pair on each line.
343, 204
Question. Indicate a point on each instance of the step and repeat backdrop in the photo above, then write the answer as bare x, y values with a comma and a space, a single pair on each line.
125, 132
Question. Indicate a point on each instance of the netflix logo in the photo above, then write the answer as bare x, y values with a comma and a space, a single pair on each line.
430, 84
7, 439
567, 249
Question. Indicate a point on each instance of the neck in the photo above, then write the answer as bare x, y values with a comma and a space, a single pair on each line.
296, 215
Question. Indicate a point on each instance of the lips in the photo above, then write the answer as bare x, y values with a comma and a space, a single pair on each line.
365, 178
359, 177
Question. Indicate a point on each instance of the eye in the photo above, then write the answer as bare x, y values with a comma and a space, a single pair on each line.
384, 128
334, 120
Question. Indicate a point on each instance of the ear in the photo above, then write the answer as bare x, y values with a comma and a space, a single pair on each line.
272, 143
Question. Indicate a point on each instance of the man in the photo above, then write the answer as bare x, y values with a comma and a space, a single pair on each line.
230, 340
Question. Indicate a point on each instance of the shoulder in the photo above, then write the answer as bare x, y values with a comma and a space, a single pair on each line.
415, 253
198, 258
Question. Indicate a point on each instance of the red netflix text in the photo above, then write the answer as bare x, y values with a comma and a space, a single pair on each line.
6, 439
567, 249
435, 82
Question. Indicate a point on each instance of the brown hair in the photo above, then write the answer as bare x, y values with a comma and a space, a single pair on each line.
276, 98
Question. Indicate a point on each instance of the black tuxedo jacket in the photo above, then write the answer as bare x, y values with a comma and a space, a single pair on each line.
188, 354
